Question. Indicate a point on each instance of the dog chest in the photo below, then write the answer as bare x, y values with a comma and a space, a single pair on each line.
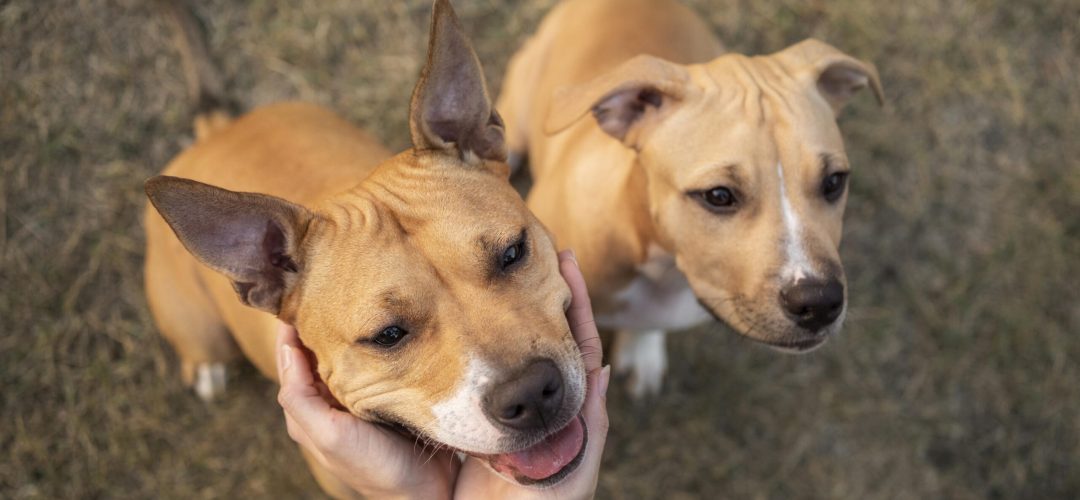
658, 298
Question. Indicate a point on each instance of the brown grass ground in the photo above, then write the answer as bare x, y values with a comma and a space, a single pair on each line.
956, 376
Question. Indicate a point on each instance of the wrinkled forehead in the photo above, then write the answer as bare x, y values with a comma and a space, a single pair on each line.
408, 228
746, 111
764, 89
437, 194
763, 92
364, 267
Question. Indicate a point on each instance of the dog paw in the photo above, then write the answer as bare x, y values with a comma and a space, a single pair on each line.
209, 380
642, 358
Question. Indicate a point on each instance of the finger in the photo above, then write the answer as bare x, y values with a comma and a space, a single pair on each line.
286, 335
301, 398
309, 406
293, 387
571, 272
595, 410
580, 315
596, 421
302, 438
294, 368
296, 433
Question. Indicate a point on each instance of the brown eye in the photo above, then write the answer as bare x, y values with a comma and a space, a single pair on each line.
833, 186
718, 199
390, 336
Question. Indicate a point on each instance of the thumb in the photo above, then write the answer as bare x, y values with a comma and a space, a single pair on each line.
595, 410
299, 395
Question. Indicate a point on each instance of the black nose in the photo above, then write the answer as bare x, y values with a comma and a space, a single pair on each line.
528, 401
813, 304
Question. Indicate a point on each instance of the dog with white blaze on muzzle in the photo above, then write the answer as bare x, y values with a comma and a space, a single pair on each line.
427, 292
692, 183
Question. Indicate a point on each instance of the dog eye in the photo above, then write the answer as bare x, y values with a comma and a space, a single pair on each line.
833, 186
390, 336
513, 254
718, 199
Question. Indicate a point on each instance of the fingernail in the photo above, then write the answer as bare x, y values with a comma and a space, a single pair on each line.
605, 376
573, 256
286, 357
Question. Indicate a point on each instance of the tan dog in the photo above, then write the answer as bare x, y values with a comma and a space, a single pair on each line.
429, 294
701, 179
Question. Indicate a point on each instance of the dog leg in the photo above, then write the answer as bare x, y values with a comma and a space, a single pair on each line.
641, 356
186, 317
209, 382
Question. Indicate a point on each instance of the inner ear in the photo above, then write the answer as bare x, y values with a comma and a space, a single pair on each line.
450, 104
619, 111
275, 250
623, 100
252, 239
836, 75
839, 82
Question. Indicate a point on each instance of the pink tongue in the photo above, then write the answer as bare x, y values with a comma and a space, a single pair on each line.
548, 457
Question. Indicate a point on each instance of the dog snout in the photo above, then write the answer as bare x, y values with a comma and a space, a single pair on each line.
530, 400
813, 304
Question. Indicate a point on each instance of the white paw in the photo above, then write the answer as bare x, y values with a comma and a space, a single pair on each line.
643, 357
210, 380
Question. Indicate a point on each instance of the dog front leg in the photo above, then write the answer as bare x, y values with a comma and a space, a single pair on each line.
641, 357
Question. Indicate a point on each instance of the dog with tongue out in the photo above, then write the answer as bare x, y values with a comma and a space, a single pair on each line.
429, 296
518, 397
547, 461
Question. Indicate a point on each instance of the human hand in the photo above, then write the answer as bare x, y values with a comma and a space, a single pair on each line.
370, 459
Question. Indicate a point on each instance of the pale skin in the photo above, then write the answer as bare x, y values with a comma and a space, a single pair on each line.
378, 462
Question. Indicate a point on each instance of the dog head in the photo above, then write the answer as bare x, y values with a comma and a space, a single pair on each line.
429, 294
747, 177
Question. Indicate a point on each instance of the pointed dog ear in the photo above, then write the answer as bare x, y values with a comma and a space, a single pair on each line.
622, 100
250, 238
450, 104
837, 75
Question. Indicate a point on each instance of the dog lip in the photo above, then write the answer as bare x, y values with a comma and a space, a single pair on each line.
802, 345
797, 345
397, 425
555, 478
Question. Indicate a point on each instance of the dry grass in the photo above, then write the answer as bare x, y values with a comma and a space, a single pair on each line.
955, 377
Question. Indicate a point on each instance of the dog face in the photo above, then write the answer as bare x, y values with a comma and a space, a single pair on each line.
747, 179
430, 296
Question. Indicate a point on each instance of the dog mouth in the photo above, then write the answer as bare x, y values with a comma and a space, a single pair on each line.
795, 346
542, 464
787, 345
547, 462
